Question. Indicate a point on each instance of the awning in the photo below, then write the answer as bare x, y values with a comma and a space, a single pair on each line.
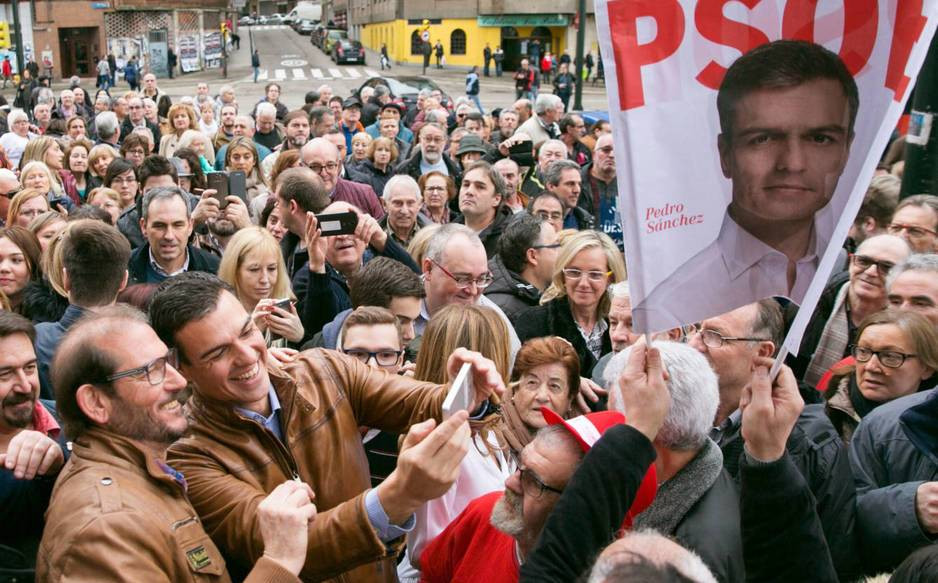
500, 20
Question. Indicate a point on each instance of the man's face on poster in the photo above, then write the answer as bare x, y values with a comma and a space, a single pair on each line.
787, 150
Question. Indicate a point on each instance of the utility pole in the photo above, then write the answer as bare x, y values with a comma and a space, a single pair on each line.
18, 38
580, 42
920, 175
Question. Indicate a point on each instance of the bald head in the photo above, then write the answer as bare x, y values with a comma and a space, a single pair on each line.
322, 156
646, 555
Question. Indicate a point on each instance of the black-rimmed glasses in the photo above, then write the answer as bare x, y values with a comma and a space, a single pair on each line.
155, 370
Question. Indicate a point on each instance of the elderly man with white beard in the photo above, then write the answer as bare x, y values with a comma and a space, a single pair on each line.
430, 155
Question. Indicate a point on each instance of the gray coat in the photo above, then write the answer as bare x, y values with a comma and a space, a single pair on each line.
888, 469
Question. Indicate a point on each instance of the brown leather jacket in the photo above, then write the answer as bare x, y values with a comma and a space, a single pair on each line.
231, 462
116, 515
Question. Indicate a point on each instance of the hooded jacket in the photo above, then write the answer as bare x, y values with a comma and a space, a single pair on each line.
490, 234
510, 291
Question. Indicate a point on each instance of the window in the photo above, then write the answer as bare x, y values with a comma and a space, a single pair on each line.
416, 44
457, 42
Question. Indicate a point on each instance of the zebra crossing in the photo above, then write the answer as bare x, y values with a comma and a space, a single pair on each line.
256, 27
314, 73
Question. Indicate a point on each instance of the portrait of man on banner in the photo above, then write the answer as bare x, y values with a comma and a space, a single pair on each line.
787, 111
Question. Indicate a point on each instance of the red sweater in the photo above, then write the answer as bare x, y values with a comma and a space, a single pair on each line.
471, 549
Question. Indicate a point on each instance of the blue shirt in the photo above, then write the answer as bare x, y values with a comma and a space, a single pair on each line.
376, 515
48, 337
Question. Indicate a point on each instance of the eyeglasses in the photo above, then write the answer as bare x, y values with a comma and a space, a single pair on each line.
12, 193
385, 358
887, 358
914, 232
594, 276
549, 216
532, 486
546, 246
713, 339
318, 168
464, 281
864, 262
435, 189
155, 370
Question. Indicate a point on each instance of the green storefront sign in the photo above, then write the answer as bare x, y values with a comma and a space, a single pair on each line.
524, 20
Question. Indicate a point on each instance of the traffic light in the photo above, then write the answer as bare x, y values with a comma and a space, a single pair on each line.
5, 41
224, 29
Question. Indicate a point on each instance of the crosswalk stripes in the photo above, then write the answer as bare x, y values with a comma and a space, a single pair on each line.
269, 27
300, 74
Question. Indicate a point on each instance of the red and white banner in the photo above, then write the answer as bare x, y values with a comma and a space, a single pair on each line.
716, 216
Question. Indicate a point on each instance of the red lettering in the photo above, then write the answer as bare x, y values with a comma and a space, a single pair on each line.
714, 27
629, 55
860, 21
908, 28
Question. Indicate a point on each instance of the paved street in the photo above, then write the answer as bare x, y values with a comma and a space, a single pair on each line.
293, 61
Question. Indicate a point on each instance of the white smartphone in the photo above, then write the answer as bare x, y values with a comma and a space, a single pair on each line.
461, 394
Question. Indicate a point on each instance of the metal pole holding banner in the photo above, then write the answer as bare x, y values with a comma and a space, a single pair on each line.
18, 38
920, 175
580, 42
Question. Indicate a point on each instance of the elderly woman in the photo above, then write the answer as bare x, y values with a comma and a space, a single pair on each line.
896, 351
47, 150
254, 266
181, 117
437, 190
576, 305
14, 141
75, 128
19, 263
76, 162
197, 142
359, 153
28, 204
108, 200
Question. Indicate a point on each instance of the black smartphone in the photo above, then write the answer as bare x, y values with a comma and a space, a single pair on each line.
337, 223
237, 185
283, 304
521, 153
218, 181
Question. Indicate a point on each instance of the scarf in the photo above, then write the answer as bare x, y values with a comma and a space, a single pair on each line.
679, 494
861, 404
833, 340
505, 422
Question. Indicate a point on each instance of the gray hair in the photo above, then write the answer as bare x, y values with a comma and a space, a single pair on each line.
381, 91
163, 193
106, 124
919, 200
927, 262
507, 111
654, 550
546, 101
400, 181
619, 289
45, 97
15, 116
441, 239
694, 392
555, 170
265, 108
424, 93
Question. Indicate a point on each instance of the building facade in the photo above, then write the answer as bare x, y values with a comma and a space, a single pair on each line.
464, 28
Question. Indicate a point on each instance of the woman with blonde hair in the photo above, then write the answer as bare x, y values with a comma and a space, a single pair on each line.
421, 241
28, 204
359, 152
242, 155
896, 354
46, 226
197, 142
378, 166
576, 304
181, 117
254, 266
46, 150
99, 158
108, 200
487, 464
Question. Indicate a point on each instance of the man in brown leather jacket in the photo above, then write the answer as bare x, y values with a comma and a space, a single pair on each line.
254, 424
118, 511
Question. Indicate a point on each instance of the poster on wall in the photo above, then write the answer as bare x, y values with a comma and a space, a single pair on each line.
212, 45
745, 139
189, 53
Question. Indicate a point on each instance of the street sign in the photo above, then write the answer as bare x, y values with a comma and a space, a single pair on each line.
239, 3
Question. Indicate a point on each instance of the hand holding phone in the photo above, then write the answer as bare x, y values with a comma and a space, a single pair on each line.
461, 393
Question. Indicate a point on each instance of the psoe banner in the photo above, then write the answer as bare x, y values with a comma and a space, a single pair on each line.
746, 133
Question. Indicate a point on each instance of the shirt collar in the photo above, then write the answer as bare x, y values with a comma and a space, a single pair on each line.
274, 408
157, 268
741, 250
44, 422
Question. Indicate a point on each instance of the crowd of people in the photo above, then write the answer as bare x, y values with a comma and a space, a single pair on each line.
200, 386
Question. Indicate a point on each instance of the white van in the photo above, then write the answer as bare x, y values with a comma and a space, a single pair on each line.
306, 11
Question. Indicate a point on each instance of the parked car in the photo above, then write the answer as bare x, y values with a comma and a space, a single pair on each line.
347, 50
332, 36
245, 21
305, 26
275, 19
404, 90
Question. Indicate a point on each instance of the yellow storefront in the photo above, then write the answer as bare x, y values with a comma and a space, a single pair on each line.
464, 39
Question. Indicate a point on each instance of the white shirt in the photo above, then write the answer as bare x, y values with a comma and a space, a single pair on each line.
734, 270
14, 145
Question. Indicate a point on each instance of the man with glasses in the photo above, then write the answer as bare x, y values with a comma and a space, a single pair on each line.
373, 336
322, 157
733, 343
845, 302
455, 271
430, 155
120, 511
599, 194
916, 221
523, 267
136, 119
549, 207
9, 186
